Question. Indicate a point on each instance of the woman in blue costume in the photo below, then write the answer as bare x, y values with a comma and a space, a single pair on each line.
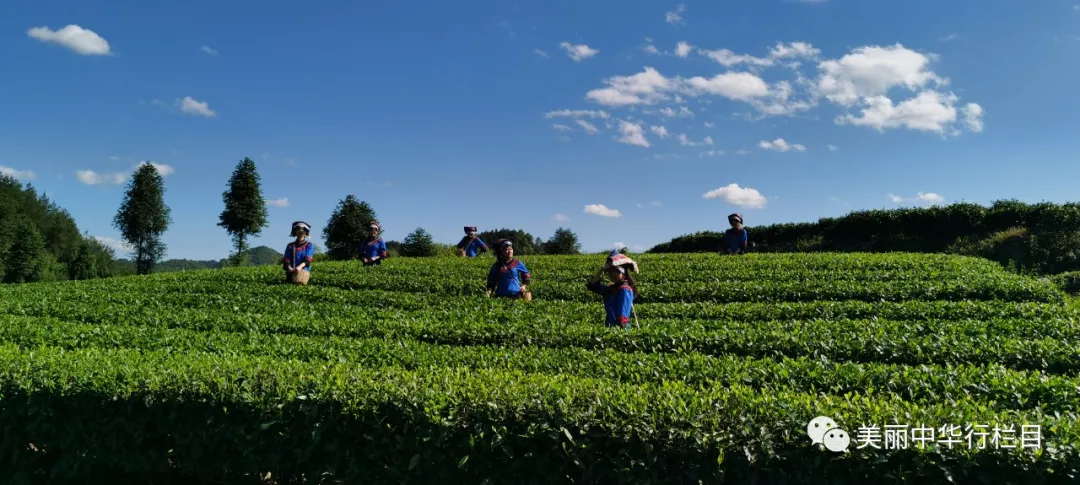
299, 255
618, 296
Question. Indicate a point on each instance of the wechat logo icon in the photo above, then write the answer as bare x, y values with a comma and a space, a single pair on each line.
823, 430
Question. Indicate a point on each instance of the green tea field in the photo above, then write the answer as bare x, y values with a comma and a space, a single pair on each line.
933, 368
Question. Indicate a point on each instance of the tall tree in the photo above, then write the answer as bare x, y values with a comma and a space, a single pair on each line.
524, 243
564, 241
245, 209
93, 260
347, 228
143, 217
28, 259
418, 244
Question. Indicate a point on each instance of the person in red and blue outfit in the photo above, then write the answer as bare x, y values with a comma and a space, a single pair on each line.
374, 250
299, 254
470, 245
508, 278
619, 296
735, 239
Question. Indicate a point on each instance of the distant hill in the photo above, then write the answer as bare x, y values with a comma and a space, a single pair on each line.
257, 256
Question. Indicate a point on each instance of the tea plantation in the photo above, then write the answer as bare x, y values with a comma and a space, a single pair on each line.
940, 369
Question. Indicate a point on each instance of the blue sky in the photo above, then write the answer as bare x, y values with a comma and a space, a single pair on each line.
536, 115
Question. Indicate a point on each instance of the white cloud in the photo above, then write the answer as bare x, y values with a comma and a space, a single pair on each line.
710, 125
924, 197
743, 152
871, 71
645, 87
208, 50
712, 153
740, 196
90, 177
195, 108
674, 17
727, 58
282, 202
78, 39
651, 49
656, 203
665, 156
162, 168
928, 111
561, 128
682, 49
19, 175
288, 161
561, 217
950, 37
683, 112
601, 210
685, 141
781, 146
794, 50
833, 148
578, 52
660, 131
861, 82
588, 127
619, 245
541, 53
741, 86
973, 117
577, 113
116, 244
632, 134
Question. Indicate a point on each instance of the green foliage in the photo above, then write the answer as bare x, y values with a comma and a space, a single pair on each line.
93, 260
347, 229
418, 244
27, 259
524, 243
245, 209
1043, 237
143, 217
564, 241
1025, 250
69, 253
257, 256
1068, 282
215, 377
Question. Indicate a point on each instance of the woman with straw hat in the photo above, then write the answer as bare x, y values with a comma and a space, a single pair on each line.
374, 250
471, 245
508, 278
299, 255
620, 294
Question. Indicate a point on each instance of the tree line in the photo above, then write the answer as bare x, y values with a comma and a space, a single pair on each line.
1041, 238
39, 241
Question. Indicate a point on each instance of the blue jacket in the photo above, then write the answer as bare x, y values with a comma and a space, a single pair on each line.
472, 248
506, 279
374, 248
736, 239
618, 302
304, 253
